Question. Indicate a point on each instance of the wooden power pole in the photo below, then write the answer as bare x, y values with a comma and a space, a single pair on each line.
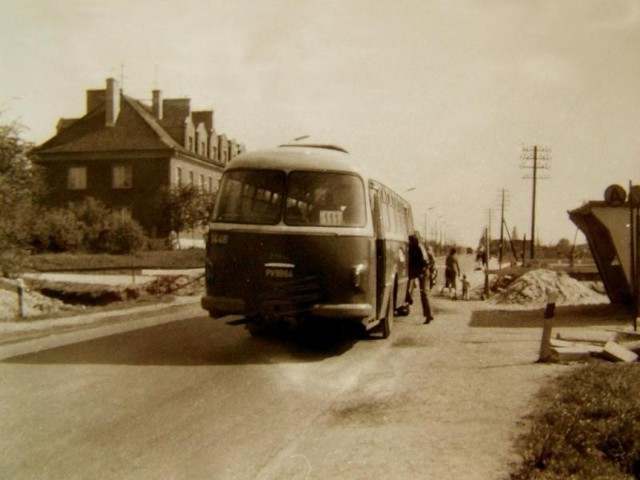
534, 161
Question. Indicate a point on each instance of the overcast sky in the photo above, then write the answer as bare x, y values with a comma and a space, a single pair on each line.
438, 97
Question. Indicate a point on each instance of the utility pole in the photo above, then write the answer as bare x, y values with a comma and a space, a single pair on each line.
503, 202
501, 230
533, 159
487, 239
533, 199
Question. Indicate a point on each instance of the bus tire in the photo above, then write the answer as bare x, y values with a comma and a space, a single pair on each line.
387, 321
257, 326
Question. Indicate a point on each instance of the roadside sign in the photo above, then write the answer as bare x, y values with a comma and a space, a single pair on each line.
615, 195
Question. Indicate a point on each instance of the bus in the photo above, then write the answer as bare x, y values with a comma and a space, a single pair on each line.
299, 233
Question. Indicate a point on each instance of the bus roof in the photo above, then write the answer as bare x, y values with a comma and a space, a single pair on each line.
294, 157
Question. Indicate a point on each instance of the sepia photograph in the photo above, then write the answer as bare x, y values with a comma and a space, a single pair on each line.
319, 239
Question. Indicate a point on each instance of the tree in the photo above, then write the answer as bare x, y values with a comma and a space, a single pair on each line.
563, 248
21, 188
184, 207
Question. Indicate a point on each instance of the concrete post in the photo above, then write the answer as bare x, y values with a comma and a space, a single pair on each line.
547, 326
20, 287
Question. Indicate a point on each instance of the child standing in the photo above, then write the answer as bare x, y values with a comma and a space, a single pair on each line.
465, 287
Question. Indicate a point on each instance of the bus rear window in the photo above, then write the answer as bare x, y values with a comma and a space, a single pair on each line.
323, 198
250, 196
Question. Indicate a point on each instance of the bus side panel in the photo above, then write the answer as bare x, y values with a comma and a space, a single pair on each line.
392, 259
263, 274
391, 253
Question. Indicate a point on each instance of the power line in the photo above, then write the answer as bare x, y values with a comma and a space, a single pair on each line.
538, 160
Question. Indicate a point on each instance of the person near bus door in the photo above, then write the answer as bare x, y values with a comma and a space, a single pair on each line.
418, 264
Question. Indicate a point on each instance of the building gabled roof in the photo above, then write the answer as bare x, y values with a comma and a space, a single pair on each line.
205, 117
135, 129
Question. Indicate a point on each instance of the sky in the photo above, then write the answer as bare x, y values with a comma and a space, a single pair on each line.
443, 101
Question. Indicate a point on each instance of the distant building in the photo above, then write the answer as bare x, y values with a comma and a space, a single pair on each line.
122, 151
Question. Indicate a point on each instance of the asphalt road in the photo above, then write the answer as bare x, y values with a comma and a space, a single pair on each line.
201, 399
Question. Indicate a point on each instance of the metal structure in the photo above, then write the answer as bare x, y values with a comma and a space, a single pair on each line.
612, 228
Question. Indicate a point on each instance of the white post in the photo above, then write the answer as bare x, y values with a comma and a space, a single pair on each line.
20, 287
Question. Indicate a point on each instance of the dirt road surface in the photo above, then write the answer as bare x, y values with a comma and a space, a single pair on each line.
198, 398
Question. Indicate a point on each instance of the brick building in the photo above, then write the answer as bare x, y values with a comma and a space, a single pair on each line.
122, 151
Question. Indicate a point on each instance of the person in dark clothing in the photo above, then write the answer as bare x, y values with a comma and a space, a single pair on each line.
418, 264
451, 273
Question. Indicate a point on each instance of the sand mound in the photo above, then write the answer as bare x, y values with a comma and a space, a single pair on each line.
35, 304
531, 289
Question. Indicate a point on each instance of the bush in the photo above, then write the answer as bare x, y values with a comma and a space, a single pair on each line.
587, 425
57, 231
86, 226
122, 236
96, 219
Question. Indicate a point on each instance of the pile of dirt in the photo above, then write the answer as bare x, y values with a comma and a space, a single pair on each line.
533, 288
35, 304
43, 297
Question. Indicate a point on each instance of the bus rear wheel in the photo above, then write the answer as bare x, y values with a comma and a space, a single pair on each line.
387, 321
257, 326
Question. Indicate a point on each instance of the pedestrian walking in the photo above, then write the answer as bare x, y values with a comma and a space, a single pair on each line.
431, 267
418, 263
451, 274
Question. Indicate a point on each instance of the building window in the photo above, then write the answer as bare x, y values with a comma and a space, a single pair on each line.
190, 144
210, 184
179, 176
77, 178
122, 176
191, 182
202, 182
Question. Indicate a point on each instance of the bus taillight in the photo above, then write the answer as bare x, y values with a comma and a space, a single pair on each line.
357, 275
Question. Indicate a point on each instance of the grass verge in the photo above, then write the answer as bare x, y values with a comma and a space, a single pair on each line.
176, 259
586, 425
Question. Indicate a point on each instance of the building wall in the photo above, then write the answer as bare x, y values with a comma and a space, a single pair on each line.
184, 172
148, 175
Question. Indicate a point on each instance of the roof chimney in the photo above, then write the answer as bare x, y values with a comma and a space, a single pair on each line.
156, 105
112, 102
95, 99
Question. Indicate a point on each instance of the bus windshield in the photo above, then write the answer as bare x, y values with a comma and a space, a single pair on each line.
310, 198
250, 196
323, 198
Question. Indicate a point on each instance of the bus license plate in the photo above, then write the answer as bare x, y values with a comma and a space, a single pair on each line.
278, 271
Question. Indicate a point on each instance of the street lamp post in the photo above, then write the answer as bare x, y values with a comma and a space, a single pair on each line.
426, 231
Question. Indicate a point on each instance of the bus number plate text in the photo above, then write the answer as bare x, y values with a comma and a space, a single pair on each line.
219, 239
279, 273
